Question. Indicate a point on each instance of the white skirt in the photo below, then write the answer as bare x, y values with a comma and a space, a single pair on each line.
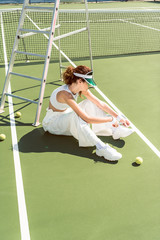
70, 124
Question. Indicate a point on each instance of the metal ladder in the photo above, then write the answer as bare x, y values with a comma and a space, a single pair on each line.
20, 34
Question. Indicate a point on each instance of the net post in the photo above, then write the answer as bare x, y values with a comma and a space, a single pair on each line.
60, 55
89, 35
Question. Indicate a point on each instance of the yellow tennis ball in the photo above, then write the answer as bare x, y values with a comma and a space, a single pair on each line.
139, 160
18, 114
2, 137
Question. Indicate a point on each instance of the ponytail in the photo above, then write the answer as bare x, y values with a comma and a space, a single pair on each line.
69, 77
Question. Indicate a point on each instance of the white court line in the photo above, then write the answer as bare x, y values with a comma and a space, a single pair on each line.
140, 134
24, 227
140, 25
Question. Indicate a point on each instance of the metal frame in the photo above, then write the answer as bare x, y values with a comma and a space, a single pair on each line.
51, 39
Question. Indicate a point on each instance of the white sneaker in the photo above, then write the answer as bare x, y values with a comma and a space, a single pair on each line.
121, 132
108, 153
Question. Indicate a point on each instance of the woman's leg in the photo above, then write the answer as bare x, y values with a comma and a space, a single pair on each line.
104, 129
86, 137
69, 123
101, 129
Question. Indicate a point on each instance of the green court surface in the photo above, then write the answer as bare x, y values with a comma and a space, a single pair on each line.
71, 193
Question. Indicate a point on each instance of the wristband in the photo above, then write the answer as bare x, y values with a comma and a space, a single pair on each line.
119, 118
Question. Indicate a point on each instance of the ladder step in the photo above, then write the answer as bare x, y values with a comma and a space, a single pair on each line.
22, 98
34, 31
25, 76
40, 8
32, 54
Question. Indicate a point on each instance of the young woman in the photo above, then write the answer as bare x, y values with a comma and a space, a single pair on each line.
86, 120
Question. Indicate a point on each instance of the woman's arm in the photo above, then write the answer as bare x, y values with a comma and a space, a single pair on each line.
102, 105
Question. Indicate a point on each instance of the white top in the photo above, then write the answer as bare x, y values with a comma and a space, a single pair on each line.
53, 97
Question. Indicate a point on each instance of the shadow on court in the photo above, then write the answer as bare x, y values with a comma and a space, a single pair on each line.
40, 141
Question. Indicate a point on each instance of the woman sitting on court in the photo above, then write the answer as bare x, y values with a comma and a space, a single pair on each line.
86, 120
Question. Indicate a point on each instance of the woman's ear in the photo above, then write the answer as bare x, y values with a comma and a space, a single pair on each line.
79, 80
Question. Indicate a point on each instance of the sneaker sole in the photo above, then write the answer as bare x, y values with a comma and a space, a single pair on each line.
111, 160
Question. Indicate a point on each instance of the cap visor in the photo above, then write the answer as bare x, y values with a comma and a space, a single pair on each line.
90, 81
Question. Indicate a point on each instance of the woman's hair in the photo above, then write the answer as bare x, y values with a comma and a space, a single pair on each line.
69, 77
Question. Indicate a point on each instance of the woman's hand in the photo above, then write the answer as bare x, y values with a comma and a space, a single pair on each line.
125, 122
115, 124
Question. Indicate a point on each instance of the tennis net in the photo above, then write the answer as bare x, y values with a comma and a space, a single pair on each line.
113, 32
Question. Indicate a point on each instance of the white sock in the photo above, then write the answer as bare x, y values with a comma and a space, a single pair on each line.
100, 145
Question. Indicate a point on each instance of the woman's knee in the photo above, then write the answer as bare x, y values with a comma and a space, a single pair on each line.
88, 107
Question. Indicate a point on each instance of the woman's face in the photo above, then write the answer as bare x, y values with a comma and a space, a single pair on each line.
84, 86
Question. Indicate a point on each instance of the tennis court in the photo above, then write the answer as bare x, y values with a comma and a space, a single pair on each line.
70, 193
